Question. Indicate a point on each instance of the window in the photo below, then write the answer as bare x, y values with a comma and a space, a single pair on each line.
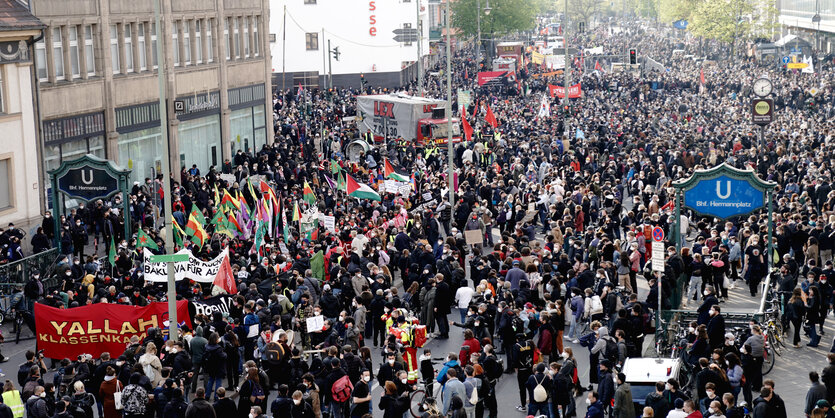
228, 39
40, 60
74, 53
237, 36
128, 28
2, 104
198, 41
187, 41
114, 49
176, 43
210, 42
246, 35
140, 39
5, 184
154, 44
89, 53
58, 53
309, 1
311, 41
257, 47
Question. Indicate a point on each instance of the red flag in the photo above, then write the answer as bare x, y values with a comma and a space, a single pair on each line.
475, 110
225, 279
468, 130
597, 66
702, 76
490, 118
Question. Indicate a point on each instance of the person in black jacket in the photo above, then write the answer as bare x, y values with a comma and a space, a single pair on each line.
300, 408
709, 301
538, 378
716, 328
282, 404
606, 388
443, 300
223, 406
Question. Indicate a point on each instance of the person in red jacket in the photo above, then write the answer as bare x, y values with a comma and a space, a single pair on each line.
470, 345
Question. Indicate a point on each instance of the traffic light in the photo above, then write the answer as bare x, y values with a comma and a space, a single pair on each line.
566, 109
633, 56
582, 27
336, 53
362, 80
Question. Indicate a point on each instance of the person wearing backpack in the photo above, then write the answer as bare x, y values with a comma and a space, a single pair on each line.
539, 386
177, 406
341, 388
472, 387
151, 365
83, 401
251, 393
523, 357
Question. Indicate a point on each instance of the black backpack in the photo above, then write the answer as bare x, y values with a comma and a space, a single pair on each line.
611, 352
23, 372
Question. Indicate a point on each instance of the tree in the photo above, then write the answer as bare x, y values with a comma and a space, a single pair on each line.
582, 10
732, 20
506, 16
671, 10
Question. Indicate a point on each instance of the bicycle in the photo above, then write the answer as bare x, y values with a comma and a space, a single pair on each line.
417, 397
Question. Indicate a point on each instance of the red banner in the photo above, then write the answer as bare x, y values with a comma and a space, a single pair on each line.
559, 91
485, 77
94, 329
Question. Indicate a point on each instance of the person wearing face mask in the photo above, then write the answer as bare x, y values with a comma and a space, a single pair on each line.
623, 406
710, 397
594, 406
300, 409
709, 301
716, 328
388, 370
361, 396
36, 405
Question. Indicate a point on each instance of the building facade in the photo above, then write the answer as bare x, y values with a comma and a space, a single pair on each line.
798, 17
363, 32
19, 159
97, 75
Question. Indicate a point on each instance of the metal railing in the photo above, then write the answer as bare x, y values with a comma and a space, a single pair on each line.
19, 272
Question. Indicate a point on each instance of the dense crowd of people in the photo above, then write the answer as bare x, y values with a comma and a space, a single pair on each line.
562, 265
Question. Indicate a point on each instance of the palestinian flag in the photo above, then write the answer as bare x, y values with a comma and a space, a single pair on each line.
360, 190
308, 195
229, 201
198, 234
391, 174
297, 214
143, 240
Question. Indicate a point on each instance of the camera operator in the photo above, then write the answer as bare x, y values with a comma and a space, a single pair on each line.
32, 359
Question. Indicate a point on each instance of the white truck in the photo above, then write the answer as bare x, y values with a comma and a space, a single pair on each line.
399, 116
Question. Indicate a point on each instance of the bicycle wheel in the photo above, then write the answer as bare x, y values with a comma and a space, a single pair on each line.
416, 402
768, 360
774, 344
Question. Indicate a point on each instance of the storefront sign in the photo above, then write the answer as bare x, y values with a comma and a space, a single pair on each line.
198, 104
94, 329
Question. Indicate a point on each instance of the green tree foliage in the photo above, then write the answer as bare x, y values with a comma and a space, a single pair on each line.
732, 20
671, 10
506, 16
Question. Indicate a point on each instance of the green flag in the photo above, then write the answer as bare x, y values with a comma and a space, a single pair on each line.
220, 223
111, 256
317, 264
335, 168
144, 240
340, 184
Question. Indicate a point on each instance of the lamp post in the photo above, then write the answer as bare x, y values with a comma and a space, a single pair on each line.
817, 20
487, 10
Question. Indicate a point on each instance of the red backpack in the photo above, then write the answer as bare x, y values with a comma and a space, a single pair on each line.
342, 389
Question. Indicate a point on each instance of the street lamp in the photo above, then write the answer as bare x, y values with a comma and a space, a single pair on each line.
487, 10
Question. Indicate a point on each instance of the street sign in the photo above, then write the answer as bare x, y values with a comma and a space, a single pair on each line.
405, 38
796, 65
405, 31
762, 111
657, 234
786, 60
168, 258
657, 256
88, 183
724, 191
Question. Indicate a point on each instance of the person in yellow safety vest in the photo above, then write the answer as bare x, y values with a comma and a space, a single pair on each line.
497, 136
429, 150
11, 397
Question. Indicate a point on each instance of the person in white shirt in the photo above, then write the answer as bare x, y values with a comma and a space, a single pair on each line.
679, 411
463, 297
